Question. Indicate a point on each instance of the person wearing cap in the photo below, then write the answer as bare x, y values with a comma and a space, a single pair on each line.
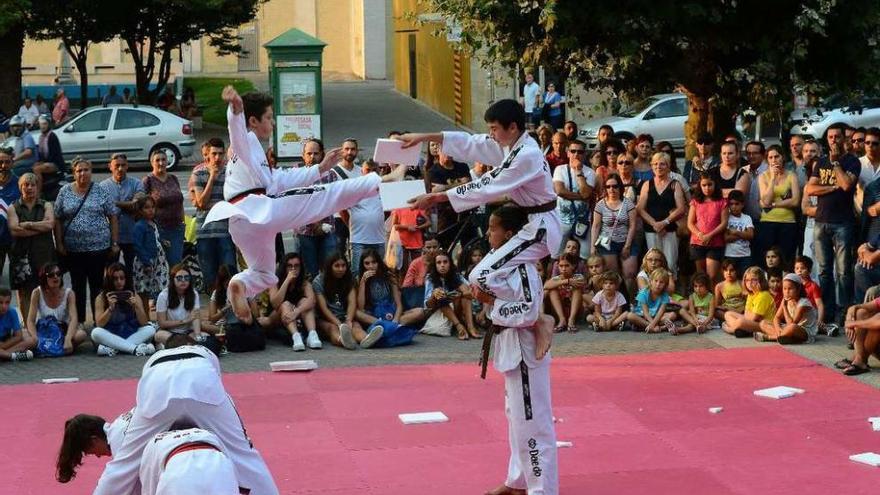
50, 160
796, 320
23, 147
703, 161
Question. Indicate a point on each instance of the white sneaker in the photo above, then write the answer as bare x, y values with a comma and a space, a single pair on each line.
298, 342
372, 337
313, 340
347, 338
22, 356
144, 349
103, 350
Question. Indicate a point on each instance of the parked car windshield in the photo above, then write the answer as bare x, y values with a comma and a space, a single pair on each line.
639, 107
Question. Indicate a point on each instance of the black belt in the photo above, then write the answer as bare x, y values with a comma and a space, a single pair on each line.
484, 351
543, 208
240, 196
176, 357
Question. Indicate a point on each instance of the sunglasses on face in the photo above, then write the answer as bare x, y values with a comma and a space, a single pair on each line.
872, 143
612, 152
54, 274
857, 140
181, 278
624, 162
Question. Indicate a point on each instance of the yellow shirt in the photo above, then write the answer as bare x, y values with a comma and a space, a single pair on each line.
761, 304
780, 191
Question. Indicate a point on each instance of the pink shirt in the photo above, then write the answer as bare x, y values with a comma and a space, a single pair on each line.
62, 107
708, 217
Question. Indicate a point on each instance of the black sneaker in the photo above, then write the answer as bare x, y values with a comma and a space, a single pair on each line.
741, 334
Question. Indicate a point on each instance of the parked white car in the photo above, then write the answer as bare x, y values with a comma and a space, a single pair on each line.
96, 133
661, 116
814, 122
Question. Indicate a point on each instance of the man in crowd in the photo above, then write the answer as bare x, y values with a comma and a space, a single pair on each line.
23, 147
366, 220
316, 240
703, 161
833, 183
112, 97
755, 154
531, 95
29, 112
858, 142
571, 130
124, 191
605, 133
61, 108
9, 192
213, 242
448, 174
796, 165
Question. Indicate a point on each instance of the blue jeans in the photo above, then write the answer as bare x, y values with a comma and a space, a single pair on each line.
314, 249
865, 279
357, 251
174, 236
214, 252
834, 244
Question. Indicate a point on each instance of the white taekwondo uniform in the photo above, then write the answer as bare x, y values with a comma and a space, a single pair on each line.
187, 462
184, 384
532, 436
261, 202
522, 174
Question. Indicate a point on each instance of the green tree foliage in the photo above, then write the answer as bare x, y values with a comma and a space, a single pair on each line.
724, 54
78, 25
153, 28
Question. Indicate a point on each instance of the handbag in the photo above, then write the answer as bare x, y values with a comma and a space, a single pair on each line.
50, 339
20, 272
581, 227
604, 241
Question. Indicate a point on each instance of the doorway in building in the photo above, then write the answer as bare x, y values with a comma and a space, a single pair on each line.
413, 75
249, 57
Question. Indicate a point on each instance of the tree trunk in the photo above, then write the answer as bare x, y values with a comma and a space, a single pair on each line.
697, 122
721, 122
82, 66
10, 68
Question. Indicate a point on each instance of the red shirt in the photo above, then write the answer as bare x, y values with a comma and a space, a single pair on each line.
409, 217
777, 297
555, 161
415, 274
812, 290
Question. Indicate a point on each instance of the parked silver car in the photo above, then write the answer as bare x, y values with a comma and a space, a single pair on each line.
98, 132
835, 109
661, 116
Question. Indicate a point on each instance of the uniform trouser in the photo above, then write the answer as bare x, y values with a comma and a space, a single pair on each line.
533, 464
290, 211
222, 420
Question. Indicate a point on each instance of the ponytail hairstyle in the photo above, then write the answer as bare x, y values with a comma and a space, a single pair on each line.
79, 432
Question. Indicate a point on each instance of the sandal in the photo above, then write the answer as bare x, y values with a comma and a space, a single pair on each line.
843, 364
571, 329
474, 333
854, 370
559, 328
462, 332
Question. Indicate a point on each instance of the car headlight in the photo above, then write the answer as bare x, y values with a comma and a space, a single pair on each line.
589, 132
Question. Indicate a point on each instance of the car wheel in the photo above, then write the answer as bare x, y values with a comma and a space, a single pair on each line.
170, 151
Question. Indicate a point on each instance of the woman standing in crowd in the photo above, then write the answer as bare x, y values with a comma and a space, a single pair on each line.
553, 103
85, 233
165, 191
661, 203
50, 164
707, 222
294, 302
644, 148
625, 168
177, 307
545, 138
780, 199
31, 221
53, 309
614, 229
121, 322
730, 175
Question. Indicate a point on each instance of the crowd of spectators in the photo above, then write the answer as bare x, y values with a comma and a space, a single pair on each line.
756, 241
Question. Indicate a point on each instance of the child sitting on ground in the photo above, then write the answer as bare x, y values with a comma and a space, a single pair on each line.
593, 277
759, 306
796, 319
572, 246
700, 311
803, 268
649, 310
729, 294
653, 260
774, 284
15, 345
565, 291
608, 305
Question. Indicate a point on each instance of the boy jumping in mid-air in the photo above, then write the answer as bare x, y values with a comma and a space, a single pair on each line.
262, 201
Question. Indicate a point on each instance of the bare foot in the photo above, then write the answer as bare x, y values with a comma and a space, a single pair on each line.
543, 336
505, 490
239, 303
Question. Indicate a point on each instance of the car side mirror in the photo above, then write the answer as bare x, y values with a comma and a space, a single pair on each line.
650, 115
68, 128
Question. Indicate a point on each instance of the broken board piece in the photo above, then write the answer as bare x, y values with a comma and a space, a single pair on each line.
780, 392
423, 418
304, 365
60, 380
868, 458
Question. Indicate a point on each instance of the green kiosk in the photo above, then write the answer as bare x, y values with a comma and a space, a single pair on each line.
295, 79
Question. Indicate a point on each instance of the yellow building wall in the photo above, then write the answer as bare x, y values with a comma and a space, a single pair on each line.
336, 28
435, 64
